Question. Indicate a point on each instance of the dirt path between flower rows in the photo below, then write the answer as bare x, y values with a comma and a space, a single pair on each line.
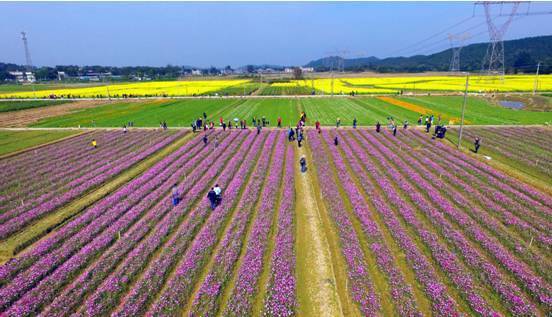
316, 283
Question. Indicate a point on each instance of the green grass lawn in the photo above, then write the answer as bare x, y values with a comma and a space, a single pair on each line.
11, 141
480, 111
367, 110
6, 106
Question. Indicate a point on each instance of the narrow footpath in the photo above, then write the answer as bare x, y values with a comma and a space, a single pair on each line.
316, 284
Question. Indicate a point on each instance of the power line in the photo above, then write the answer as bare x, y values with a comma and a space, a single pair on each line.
432, 36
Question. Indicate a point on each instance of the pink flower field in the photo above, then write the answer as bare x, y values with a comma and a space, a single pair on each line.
413, 227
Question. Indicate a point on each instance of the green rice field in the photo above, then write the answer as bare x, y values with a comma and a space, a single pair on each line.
367, 110
12, 141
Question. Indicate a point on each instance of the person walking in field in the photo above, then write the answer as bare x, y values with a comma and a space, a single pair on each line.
279, 122
337, 123
218, 194
212, 196
405, 124
124, 129
394, 130
205, 140
224, 126
428, 125
354, 123
420, 120
378, 127
303, 164
94, 143
175, 195
204, 116
229, 124
291, 134
317, 125
221, 121
299, 139
477, 144
258, 128
336, 141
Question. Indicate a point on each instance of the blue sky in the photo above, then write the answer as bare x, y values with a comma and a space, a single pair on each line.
219, 34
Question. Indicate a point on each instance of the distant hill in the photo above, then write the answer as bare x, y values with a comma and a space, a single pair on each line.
521, 56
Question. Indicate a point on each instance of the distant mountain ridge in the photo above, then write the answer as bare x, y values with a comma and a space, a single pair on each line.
521, 55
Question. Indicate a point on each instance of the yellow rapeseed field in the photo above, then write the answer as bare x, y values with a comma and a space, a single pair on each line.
385, 85
362, 85
513, 83
143, 89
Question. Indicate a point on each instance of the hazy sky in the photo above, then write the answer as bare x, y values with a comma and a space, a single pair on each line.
204, 34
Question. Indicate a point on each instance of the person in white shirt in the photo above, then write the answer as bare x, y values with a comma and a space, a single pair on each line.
218, 192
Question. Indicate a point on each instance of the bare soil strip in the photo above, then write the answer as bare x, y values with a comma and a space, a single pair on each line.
38, 230
316, 282
23, 118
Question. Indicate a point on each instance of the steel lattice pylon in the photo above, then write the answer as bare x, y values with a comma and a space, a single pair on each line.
28, 60
493, 63
456, 45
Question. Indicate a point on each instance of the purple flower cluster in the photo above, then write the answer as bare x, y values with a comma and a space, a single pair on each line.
280, 299
135, 244
472, 189
101, 214
443, 304
102, 171
56, 268
248, 274
538, 287
178, 288
106, 297
509, 291
157, 272
359, 280
400, 290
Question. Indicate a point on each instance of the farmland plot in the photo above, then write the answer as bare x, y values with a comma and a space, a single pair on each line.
463, 227
36, 183
525, 149
416, 227
133, 252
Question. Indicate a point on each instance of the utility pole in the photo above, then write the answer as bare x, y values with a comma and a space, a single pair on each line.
536, 84
332, 83
463, 109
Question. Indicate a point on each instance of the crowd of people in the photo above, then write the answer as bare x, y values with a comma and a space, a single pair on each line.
294, 134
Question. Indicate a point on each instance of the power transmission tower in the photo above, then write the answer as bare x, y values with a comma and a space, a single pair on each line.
29, 65
456, 44
493, 63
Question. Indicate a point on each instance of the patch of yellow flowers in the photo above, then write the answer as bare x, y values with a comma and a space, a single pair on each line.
390, 85
367, 85
143, 89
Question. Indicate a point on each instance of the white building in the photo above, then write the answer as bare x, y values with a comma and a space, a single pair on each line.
196, 72
303, 69
23, 77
